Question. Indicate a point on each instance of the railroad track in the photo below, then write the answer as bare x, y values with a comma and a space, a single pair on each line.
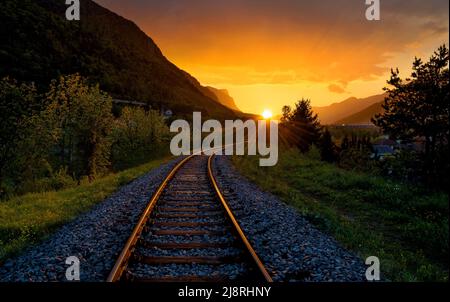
188, 233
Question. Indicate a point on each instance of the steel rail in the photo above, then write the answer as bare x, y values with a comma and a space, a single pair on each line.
236, 225
123, 259
124, 256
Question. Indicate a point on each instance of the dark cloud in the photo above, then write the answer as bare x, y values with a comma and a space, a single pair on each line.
336, 88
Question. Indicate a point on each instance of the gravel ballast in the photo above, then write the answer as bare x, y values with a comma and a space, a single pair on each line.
96, 237
290, 247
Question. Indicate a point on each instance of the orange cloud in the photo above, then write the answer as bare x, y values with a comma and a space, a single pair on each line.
294, 44
336, 88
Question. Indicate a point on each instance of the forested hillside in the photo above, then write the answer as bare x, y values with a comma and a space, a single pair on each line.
38, 44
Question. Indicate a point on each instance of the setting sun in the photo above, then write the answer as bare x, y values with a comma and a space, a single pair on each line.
267, 114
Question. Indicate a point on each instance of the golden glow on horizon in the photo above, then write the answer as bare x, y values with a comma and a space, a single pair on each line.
267, 114
277, 52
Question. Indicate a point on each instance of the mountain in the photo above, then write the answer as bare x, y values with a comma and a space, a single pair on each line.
338, 111
223, 97
38, 44
364, 116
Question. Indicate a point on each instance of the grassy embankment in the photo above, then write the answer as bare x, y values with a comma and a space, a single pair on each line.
406, 227
27, 219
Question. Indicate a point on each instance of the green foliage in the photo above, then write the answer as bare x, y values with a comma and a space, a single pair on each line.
83, 120
55, 181
328, 150
314, 153
17, 103
138, 130
27, 219
404, 166
420, 107
355, 154
69, 135
339, 133
403, 225
358, 160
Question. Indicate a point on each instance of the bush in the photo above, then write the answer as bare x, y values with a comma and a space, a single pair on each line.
431, 237
57, 181
137, 136
70, 130
82, 120
17, 102
404, 166
314, 153
358, 159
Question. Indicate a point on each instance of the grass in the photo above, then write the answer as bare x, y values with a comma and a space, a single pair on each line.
405, 227
28, 219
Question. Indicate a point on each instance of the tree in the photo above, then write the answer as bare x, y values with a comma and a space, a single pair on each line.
327, 147
418, 107
17, 103
83, 119
302, 125
286, 114
137, 134
345, 143
33, 154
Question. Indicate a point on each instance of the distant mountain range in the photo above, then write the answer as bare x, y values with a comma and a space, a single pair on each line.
351, 110
362, 117
38, 44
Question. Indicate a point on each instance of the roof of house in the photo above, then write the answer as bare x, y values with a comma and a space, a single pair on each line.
386, 142
383, 149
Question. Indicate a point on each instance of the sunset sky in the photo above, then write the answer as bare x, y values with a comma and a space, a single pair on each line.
271, 53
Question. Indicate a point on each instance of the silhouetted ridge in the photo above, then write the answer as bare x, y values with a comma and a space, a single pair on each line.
40, 44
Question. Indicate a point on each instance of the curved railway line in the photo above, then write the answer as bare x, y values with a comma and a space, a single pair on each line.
188, 227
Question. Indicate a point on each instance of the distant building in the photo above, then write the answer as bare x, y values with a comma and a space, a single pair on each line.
382, 151
356, 126
385, 142
168, 113
416, 145
128, 102
384, 148
366, 125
